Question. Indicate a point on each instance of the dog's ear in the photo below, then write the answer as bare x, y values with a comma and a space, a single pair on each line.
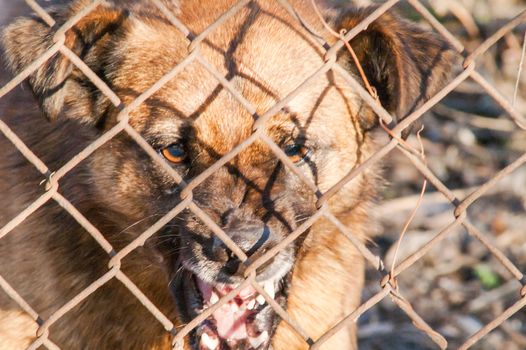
59, 86
404, 63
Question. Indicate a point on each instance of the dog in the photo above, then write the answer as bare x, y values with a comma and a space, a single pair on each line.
325, 131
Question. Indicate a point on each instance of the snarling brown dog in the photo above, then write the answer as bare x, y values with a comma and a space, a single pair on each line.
192, 121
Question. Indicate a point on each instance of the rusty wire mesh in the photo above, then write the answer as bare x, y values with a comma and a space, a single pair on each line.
388, 283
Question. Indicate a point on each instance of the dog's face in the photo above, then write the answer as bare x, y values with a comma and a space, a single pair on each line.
193, 121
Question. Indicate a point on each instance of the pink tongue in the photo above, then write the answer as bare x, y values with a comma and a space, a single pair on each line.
230, 324
231, 317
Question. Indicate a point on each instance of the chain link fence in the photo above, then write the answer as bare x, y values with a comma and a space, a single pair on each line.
388, 283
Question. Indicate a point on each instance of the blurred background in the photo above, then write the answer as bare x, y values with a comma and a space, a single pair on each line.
459, 286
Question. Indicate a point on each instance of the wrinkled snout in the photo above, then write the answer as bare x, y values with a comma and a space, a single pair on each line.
252, 237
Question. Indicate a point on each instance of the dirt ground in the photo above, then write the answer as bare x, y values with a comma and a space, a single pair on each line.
459, 286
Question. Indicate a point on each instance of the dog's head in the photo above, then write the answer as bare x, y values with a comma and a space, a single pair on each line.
192, 121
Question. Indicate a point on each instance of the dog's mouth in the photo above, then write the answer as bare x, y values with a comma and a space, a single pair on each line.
246, 322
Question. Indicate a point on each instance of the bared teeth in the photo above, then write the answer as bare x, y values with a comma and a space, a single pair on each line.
260, 299
257, 341
269, 288
251, 304
214, 298
234, 307
209, 342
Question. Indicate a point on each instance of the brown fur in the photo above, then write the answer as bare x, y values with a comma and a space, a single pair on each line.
49, 258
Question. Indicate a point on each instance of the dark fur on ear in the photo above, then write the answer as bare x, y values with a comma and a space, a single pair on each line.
406, 64
58, 85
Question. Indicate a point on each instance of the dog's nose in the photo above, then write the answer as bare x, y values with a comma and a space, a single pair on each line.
231, 263
250, 237
220, 252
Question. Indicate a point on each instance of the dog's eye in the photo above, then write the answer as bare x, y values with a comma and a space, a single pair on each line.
297, 153
174, 153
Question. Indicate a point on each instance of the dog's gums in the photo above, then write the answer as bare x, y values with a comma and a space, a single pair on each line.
245, 322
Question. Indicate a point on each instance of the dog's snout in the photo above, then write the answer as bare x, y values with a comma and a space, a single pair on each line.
252, 238
220, 252
249, 237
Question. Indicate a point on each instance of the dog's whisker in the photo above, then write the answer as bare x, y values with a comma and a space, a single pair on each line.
138, 222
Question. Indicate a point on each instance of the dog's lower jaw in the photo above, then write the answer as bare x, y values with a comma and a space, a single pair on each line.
246, 322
